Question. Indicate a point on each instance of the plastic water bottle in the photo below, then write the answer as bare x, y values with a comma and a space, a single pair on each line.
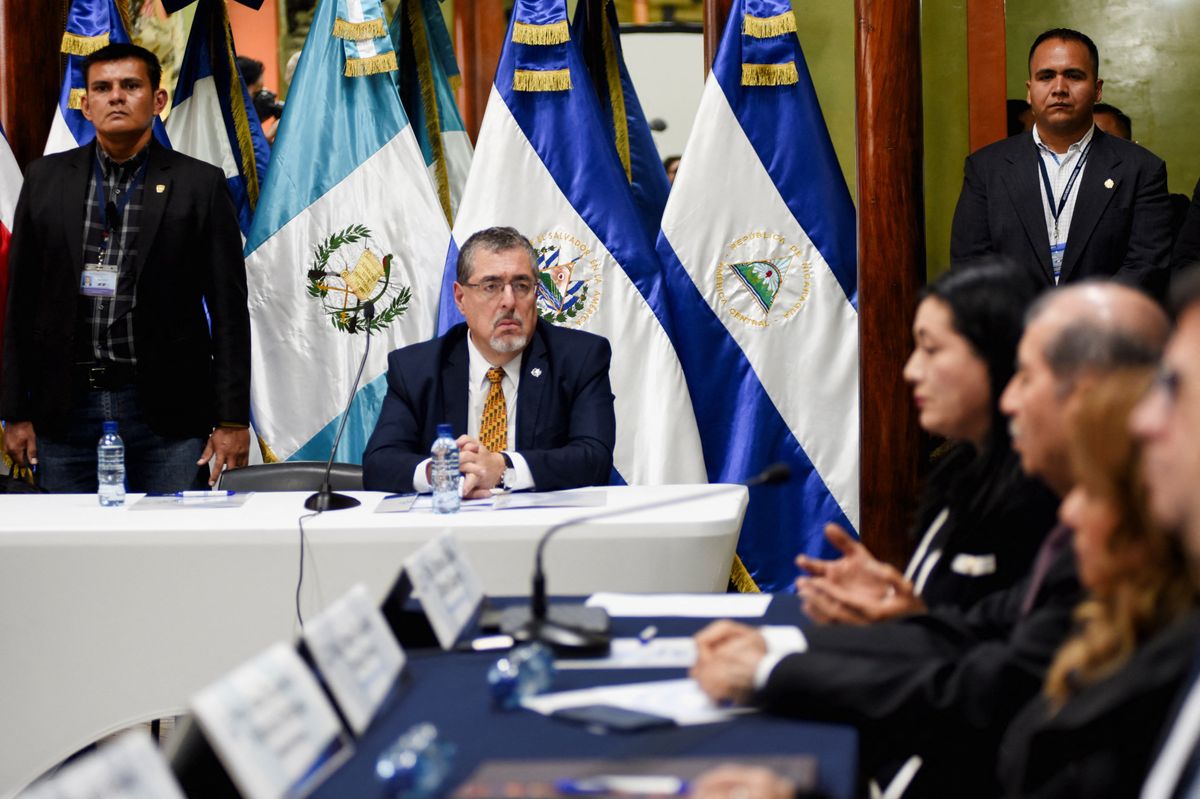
110, 467
528, 670
417, 765
445, 471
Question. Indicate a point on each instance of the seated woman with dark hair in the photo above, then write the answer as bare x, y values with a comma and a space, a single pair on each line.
1111, 683
980, 521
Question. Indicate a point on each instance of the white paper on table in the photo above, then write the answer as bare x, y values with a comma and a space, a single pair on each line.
397, 503
129, 767
425, 503
551, 499
680, 700
709, 606
631, 653
449, 588
357, 654
268, 722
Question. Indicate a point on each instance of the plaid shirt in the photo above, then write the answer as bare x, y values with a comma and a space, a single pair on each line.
106, 323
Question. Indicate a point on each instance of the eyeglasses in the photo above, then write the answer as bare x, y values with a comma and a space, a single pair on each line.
522, 287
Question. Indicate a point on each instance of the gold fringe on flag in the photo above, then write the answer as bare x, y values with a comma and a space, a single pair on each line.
74, 44
555, 33
241, 122
741, 579
361, 67
126, 18
359, 31
616, 96
75, 99
542, 80
770, 74
268, 454
768, 27
433, 121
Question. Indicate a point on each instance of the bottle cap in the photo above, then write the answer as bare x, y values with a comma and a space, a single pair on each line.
110, 426
445, 430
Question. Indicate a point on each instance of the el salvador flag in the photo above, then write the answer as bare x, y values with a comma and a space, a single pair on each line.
348, 215
544, 165
758, 248
213, 117
91, 24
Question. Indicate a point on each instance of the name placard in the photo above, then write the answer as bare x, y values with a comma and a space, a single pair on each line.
357, 654
451, 592
271, 726
129, 767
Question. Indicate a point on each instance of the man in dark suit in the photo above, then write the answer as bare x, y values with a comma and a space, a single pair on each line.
532, 402
943, 685
1066, 201
118, 249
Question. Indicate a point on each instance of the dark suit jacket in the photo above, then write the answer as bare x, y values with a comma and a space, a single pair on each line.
943, 685
565, 422
1187, 242
189, 255
1122, 232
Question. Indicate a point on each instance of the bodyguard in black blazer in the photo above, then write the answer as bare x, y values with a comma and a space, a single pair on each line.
566, 427
1121, 226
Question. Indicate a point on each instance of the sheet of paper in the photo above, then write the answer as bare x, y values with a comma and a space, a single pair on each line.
129, 767
681, 700
450, 589
631, 653
425, 503
707, 606
188, 500
551, 499
397, 503
356, 653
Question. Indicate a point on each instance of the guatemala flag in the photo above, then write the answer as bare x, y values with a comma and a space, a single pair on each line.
544, 165
91, 24
599, 36
213, 117
758, 248
427, 76
348, 215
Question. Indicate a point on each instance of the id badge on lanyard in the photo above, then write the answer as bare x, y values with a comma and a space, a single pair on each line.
99, 279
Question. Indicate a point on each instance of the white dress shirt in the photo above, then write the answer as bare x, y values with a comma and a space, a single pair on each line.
1059, 169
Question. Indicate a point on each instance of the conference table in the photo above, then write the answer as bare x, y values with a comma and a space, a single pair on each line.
113, 616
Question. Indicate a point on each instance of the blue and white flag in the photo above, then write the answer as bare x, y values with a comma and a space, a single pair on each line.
91, 24
213, 117
621, 109
544, 165
347, 215
427, 76
758, 249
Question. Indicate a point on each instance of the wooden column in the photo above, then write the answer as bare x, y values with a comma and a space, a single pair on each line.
987, 84
30, 72
479, 29
891, 263
641, 12
716, 12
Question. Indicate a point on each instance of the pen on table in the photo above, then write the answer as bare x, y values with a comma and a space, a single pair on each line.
639, 784
647, 635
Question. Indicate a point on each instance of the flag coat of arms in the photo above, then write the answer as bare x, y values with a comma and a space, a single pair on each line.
91, 24
759, 252
348, 216
212, 117
545, 166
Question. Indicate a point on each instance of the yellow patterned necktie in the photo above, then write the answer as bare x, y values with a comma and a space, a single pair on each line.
493, 428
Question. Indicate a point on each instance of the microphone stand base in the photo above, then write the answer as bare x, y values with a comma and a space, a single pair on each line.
330, 501
571, 631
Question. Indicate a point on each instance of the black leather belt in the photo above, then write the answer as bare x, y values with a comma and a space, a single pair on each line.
104, 375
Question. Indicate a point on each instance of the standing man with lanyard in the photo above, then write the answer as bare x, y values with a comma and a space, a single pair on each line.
1066, 201
127, 300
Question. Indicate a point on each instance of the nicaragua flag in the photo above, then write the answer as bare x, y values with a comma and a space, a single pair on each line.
348, 215
427, 76
10, 190
598, 33
91, 24
758, 248
212, 117
544, 165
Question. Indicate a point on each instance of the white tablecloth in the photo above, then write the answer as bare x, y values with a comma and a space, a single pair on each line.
110, 616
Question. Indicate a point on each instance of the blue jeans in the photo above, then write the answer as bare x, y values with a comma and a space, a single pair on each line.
153, 463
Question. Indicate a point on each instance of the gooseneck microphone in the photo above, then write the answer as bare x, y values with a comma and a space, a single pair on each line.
326, 498
563, 628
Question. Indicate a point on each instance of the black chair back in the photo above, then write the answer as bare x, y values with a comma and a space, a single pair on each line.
292, 476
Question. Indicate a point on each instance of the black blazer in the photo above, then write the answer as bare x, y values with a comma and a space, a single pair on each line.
189, 255
1122, 232
1101, 742
566, 427
1187, 243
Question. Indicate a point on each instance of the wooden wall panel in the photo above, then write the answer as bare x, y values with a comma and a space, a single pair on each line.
986, 72
30, 72
479, 29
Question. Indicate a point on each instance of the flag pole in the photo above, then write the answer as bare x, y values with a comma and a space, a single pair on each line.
716, 12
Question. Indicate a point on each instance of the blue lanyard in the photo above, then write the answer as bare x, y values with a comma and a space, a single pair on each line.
1057, 209
120, 202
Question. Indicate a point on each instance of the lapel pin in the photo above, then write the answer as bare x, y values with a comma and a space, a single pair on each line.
161, 187
536, 372
1108, 184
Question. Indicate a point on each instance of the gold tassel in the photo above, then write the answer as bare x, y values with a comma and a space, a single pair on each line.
770, 74
768, 27
241, 122
359, 31
741, 578
361, 67
75, 99
616, 96
74, 44
433, 122
555, 33
542, 80
268, 454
